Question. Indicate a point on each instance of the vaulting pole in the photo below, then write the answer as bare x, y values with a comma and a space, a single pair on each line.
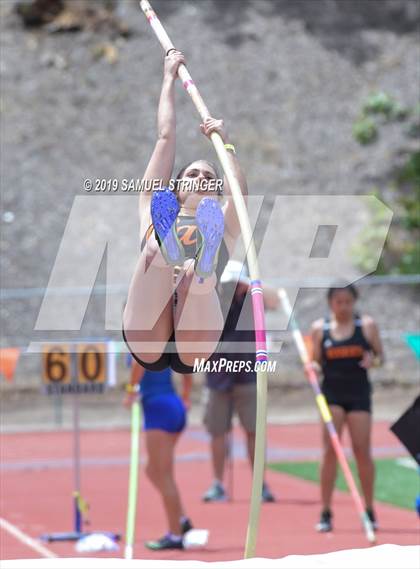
133, 481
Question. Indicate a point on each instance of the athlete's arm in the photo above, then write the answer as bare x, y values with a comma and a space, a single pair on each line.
232, 225
270, 297
136, 375
187, 381
162, 160
371, 333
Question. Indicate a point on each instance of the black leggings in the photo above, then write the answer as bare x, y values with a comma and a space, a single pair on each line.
167, 359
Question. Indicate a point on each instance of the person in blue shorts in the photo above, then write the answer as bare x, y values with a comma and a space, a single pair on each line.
165, 417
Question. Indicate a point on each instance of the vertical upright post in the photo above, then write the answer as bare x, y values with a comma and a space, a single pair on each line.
58, 408
133, 481
78, 522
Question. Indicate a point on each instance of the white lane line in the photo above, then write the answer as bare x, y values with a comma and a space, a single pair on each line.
26, 539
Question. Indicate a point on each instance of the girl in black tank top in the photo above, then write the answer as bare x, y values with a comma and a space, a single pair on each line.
343, 374
345, 346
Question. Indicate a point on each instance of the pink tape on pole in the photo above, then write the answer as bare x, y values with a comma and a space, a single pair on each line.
346, 470
188, 84
150, 14
258, 306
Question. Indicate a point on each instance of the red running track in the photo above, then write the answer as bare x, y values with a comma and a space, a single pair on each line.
37, 484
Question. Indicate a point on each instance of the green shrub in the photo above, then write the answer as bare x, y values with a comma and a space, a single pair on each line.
407, 187
365, 130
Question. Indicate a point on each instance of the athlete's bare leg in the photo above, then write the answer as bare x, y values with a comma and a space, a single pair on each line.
360, 423
198, 316
328, 469
148, 315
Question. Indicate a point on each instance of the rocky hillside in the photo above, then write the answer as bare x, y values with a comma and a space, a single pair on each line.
289, 78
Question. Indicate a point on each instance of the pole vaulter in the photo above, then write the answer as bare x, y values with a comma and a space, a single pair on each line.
256, 288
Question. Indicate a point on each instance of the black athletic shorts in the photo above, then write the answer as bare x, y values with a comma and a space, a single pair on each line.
167, 359
349, 404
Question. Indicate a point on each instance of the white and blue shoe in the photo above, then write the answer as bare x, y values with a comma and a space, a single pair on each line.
210, 226
164, 211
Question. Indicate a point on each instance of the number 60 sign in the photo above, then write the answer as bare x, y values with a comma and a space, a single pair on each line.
75, 368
